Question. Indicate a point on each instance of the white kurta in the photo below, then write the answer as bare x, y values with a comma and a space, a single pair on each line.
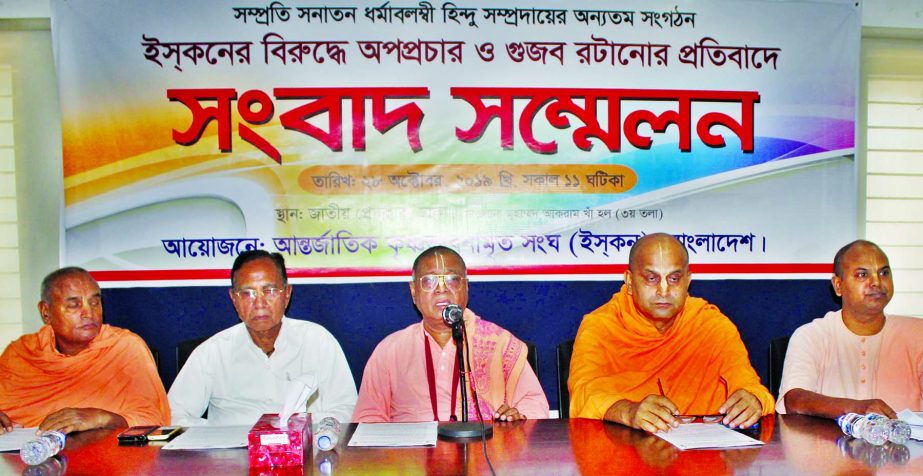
237, 382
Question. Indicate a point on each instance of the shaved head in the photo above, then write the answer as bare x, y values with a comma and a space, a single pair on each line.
863, 280
840, 255
658, 278
661, 240
51, 281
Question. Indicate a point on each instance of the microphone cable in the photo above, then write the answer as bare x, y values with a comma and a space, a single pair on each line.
474, 393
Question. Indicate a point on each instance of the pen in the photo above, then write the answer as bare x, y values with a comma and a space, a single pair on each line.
660, 386
755, 426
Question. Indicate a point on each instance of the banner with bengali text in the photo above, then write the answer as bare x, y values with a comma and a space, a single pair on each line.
537, 138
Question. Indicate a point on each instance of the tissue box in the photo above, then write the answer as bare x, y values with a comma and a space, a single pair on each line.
270, 445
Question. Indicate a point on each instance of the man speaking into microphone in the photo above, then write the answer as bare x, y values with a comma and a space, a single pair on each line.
413, 375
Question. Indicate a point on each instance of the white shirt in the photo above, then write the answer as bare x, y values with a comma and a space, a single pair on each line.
825, 357
237, 382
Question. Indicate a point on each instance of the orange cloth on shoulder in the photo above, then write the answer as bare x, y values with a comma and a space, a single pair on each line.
620, 355
116, 373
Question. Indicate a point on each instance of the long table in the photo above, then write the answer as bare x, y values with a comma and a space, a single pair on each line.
794, 445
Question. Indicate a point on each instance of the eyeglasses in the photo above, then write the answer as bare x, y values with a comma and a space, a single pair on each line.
714, 418
700, 418
452, 282
250, 294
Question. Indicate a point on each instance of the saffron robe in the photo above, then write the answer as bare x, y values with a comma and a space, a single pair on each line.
620, 355
116, 373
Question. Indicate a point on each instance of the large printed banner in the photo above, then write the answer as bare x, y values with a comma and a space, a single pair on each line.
537, 138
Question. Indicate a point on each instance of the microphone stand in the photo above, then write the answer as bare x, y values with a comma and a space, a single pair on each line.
463, 429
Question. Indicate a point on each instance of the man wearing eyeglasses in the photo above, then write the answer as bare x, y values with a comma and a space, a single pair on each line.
247, 370
412, 374
857, 359
653, 357
77, 373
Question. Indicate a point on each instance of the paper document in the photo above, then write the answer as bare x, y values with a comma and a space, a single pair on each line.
210, 437
395, 434
14, 440
915, 419
704, 435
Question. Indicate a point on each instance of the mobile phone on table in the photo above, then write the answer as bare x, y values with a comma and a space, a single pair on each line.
164, 433
136, 434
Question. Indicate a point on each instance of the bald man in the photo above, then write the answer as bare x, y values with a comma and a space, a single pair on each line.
857, 359
653, 357
77, 373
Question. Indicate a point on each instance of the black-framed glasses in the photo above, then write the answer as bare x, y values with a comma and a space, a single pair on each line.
452, 282
271, 293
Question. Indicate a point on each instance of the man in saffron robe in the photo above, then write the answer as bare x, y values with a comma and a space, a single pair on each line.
653, 354
857, 359
411, 376
77, 373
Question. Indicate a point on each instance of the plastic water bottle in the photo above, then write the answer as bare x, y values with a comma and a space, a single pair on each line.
847, 422
872, 428
876, 429
328, 434
900, 432
45, 446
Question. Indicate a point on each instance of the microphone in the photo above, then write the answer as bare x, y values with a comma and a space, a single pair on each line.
452, 314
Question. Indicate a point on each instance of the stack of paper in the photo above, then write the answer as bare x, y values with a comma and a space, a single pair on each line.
14, 440
704, 435
915, 420
395, 434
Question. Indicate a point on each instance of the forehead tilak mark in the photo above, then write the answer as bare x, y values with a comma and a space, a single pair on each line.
440, 261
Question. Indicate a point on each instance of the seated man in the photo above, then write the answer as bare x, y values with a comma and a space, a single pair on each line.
411, 377
857, 359
653, 353
247, 370
77, 373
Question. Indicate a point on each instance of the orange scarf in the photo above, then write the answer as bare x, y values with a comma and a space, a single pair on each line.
116, 373
619, 354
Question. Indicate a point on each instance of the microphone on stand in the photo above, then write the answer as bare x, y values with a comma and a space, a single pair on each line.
453, 316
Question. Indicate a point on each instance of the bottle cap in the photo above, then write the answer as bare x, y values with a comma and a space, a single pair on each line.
324, 442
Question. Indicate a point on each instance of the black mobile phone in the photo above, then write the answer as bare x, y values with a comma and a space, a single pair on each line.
164, 433
136, 434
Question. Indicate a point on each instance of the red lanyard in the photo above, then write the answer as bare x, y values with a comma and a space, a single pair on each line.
431, 379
